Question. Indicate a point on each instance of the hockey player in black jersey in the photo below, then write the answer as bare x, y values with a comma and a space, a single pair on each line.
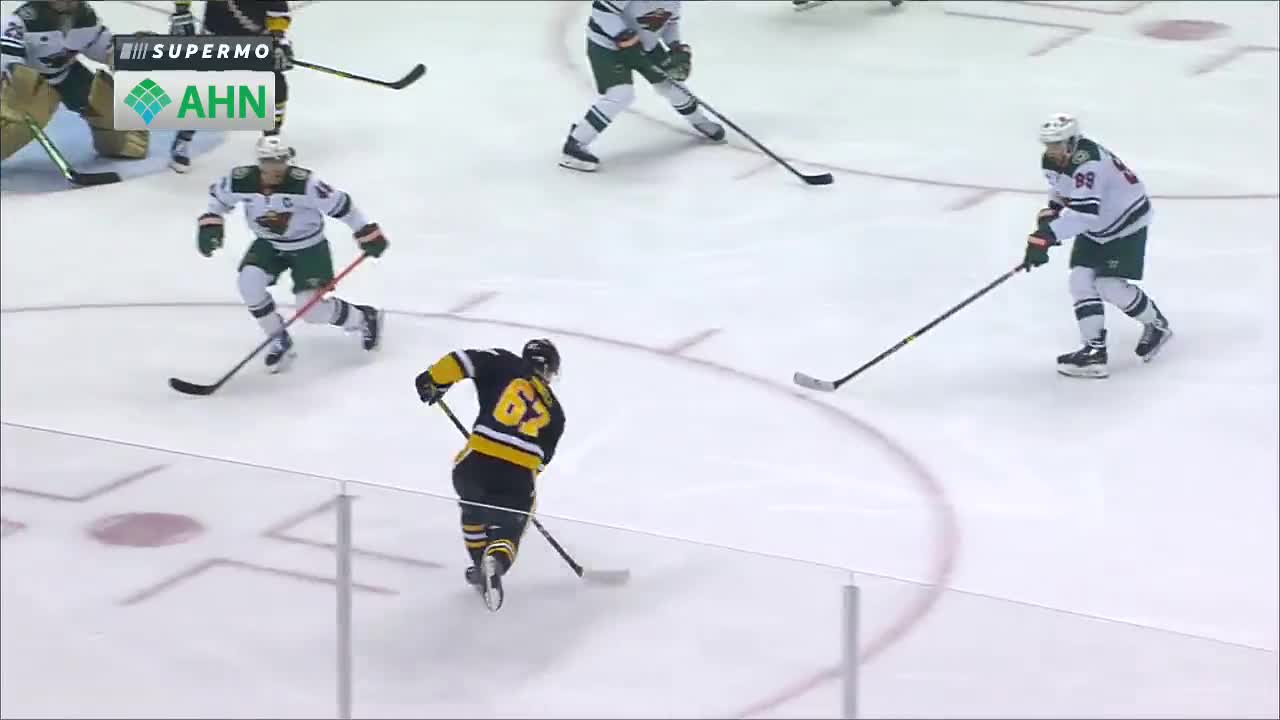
514, 437
236, 17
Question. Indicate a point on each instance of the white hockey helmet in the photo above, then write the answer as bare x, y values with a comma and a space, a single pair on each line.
271, 147
1059, 127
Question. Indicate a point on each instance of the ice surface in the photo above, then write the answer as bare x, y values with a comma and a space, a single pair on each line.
1027, 544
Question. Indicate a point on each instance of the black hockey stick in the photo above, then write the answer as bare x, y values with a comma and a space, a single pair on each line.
74, 177
604, 577
418, 71
812, 383
190, 388
818, 179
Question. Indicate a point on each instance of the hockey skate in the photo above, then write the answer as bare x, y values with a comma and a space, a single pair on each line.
491, 570
807, 4
474, 579
575, 157
713, 131
280, 354
180, 151
373, 323
1089, 361
1154, 335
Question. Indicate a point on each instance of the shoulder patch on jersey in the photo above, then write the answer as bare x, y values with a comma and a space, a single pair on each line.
244, 179
298, 173
1081, 157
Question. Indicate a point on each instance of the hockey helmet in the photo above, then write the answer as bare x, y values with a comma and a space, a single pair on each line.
271, 147
1060, 127
541, 354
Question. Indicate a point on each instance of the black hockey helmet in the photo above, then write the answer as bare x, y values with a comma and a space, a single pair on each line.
542, 356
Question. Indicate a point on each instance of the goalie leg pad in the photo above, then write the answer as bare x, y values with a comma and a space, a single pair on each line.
26, 93
107, 141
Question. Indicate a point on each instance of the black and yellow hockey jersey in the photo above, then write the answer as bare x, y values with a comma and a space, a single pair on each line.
520, 418
242, 17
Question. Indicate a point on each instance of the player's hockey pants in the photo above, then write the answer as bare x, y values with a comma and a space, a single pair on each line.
489, 481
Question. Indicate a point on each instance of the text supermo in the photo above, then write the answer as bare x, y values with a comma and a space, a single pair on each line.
222, 51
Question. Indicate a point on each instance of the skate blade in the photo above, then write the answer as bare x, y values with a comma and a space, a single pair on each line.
178, 167
1156, 350
809, 5
492, 590
574, 163
1089, 372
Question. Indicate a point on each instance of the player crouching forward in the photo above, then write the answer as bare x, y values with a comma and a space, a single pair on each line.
285, 207
621, 39
513, 438
1096, 198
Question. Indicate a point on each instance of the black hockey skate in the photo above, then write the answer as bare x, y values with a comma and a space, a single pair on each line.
280, 354
575, 157
713, 131
180, 151
1089, 361
491, 570
807, 4
373, 323
474, 579
1154, 335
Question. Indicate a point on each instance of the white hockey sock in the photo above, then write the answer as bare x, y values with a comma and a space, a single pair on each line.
1129, 298
685, 105
602, 113
1091, 319
268, 319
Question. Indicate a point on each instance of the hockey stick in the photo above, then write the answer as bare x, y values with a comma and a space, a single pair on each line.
68, 172
818, 179
812, 383
418, 71
604, 577
191, 388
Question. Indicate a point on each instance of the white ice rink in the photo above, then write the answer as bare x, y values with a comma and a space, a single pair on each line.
1028, 545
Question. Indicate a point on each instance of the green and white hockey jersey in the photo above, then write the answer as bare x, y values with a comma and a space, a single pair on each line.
1102, 198
652, 20
291, 216
49, 41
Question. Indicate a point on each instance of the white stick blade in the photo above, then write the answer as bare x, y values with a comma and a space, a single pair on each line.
813, 383
607, 577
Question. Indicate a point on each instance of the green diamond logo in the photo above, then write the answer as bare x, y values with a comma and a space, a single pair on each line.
147, 99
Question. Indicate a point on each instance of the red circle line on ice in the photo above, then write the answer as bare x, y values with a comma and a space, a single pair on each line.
946, 532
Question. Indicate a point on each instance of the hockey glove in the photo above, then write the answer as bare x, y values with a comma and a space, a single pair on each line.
209, 236
632, 50
1038, 244
428, 391
679, 62
371, 240
181, 22
283, 53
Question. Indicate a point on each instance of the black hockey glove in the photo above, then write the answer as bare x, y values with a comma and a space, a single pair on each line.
371, 240
679, 62
428, 391
283, 53
1038, 244
209, 236
181, 22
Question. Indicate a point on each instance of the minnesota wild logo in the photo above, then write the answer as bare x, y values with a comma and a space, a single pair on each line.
275, 222
654, 20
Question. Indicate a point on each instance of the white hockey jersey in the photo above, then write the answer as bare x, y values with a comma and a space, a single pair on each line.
1102, 199
652, 20
49, 41
292, 216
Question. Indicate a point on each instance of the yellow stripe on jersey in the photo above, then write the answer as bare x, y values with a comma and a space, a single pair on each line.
277, 24
502, 451
447, 370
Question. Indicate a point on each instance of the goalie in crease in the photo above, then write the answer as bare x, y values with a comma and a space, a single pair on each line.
514, 437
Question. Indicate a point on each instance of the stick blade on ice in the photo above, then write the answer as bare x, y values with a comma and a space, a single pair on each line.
189, 388
812, 383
